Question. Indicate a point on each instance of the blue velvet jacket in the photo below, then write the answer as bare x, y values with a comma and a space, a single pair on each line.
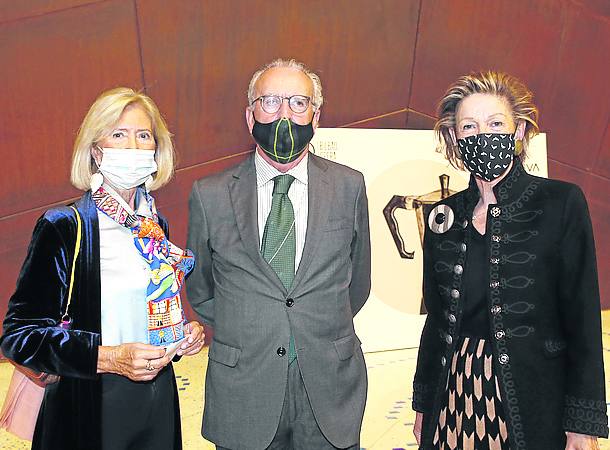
70, 416
543, 310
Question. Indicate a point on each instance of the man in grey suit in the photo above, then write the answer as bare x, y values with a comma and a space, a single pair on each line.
283, 251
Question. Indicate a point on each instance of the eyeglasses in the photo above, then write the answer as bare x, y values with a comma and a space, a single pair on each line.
272, 103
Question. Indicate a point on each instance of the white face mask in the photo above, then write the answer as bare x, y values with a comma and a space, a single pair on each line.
127, 168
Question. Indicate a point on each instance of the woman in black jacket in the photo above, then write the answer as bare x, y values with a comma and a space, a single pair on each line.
511, 352
116, 389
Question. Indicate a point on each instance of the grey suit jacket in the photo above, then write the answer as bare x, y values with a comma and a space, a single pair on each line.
236, 291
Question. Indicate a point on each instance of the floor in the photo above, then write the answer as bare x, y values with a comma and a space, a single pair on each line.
388, 417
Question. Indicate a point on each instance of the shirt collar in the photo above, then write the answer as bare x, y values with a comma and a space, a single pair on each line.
265, 172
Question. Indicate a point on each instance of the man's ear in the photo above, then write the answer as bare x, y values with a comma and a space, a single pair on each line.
250, 118
315, 120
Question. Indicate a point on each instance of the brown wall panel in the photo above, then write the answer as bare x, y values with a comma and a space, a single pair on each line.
191, 69
13, 10
578, 107
395, 119
568, 173
16, 230
198, 59
457, 37
600, 7
603, 160
58, 64
419, 121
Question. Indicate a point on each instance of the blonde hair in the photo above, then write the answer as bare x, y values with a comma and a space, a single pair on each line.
98, 124
517, 95
317, 98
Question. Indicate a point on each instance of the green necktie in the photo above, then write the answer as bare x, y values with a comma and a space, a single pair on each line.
279, 238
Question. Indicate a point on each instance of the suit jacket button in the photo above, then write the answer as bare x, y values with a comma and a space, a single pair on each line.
494, 284
289, 302
503, 358
455, 293
463, 247
443, 361
452, 318
458, 269
496, 309
448, 339
281, 351
500, 334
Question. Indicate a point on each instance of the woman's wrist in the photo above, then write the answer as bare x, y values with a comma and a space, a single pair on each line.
105, 359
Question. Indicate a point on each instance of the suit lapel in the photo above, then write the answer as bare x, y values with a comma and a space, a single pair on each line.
319, 198
243, 192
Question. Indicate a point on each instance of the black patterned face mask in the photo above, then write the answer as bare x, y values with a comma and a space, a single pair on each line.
487, 155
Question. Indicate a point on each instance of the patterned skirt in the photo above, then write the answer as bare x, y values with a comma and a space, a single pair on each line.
471, 415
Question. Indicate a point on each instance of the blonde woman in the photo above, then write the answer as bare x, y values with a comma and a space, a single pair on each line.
117, 388
511, 353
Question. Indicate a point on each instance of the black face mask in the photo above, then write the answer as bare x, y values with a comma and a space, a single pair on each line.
283, 140
487, 155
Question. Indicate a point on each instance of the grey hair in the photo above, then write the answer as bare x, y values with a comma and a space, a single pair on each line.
317, 99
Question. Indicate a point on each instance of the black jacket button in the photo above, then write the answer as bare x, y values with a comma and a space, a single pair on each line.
281, 351
289, 302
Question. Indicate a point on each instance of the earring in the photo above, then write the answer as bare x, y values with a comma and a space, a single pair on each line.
96, 181
518, 147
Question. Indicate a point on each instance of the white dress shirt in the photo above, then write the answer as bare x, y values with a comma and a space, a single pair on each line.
297, 194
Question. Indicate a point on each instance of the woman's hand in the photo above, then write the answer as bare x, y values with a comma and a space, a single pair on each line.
419, 419
576, 441
193, 341
138, 362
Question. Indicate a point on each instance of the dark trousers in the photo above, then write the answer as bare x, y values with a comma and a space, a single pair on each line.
298, 429
140, 415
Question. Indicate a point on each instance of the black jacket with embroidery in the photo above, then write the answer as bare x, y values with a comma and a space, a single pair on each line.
543, 309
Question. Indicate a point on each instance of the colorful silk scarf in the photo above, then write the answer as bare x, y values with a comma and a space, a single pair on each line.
168, 264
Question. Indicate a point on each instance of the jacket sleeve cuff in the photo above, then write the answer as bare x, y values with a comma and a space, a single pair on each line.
585, 416
420, 397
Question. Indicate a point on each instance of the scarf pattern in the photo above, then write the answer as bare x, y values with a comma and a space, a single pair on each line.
168, 264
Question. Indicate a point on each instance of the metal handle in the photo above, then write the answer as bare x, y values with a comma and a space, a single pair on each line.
402, 202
